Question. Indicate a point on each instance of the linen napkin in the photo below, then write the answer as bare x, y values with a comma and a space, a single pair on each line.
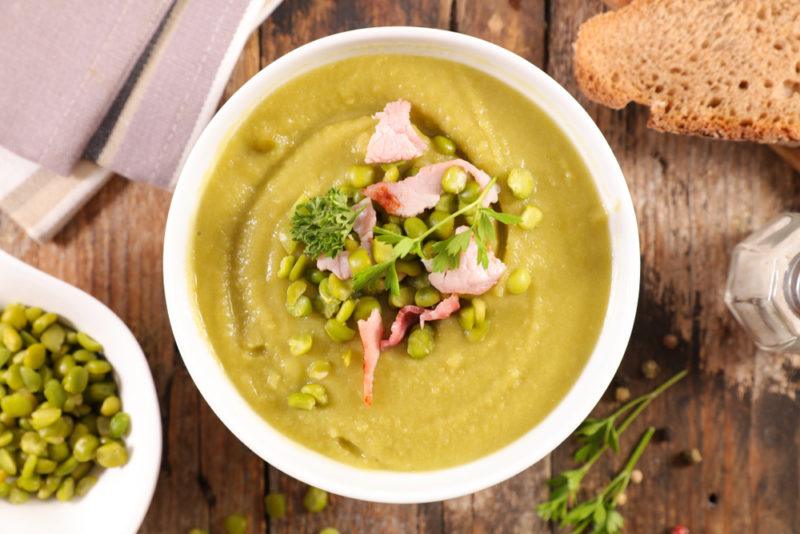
89, 89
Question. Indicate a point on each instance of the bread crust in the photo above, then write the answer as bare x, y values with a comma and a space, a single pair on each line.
734, 74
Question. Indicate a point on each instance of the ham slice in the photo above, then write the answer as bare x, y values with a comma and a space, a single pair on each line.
408, 314
469, 278
371, 331
417, 193
364, 227
395, 139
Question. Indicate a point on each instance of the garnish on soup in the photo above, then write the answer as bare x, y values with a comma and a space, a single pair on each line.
410, 263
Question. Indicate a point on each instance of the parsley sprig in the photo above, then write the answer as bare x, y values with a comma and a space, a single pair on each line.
323, 223
447, 252
595, 436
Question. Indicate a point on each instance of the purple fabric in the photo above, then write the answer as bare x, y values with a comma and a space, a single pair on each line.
156, 136
62, 63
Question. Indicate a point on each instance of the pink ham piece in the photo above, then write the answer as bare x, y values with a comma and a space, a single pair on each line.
417, 193
371, 332
469, 278
394, 138
407, 315
364, 227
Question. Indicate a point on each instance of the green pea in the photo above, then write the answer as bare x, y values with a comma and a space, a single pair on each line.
315, 499
338, 331
6, 437
286, 241
478, 332
295, 291
446, 224
350, 244
103, 425
299, 267
414, 227
390, 173
112, 454
470, 193
285, 267
394, 228
339, 289
119, 425
466, 317
45, 466
85, 447
35, 356
110, 406
360, 175
84, 356
85, 484
346, 310
63, 365
5, 355
518, 281
420, 342
58, 431
409, 267
66, 467
301, 308
66, 490
329, 530
301, 401
315, 276
381, 251
19, 404
520, 181
317, 391
479, 305
275, 504
10, 337
327, 308
359, 260
447, 203
58, 451
86, 341
49, 487
426, 297
7, 464
31, 379
32, 443
318, 369
33, 313
530, 218
443, 145
29, 467
14, 315
403, 298
27, 339
44, 416
98, 367
454, 180
18, 496
53, 338
99, 391
300, 344
42, 323
75, 380
365, 307
82, 470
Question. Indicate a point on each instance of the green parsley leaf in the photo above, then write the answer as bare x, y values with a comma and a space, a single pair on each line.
505, 218
323, 223
369, 274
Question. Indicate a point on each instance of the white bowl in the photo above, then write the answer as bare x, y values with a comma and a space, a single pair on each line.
121, 497
386, 486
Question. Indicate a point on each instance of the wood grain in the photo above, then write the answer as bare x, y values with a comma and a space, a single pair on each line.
694, 199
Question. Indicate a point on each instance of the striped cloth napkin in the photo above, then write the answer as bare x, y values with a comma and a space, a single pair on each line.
88, 89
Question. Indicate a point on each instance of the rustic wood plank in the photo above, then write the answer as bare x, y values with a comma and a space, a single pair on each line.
695, 199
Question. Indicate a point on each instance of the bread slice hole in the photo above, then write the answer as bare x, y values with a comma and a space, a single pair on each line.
743, 85
714, 102
791, 88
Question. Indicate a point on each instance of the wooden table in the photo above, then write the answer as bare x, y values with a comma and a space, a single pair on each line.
694, 198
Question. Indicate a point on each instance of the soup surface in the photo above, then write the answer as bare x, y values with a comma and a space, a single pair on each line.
465, 399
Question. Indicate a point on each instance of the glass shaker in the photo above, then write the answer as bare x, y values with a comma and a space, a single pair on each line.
763, 290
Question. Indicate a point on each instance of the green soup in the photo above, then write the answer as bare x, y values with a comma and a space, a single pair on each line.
465, 399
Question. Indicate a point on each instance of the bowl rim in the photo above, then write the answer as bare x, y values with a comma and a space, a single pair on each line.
337, 477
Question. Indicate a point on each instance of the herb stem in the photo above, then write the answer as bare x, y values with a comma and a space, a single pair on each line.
461, 211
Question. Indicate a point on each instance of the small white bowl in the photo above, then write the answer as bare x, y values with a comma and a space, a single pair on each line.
387, 486
121, 497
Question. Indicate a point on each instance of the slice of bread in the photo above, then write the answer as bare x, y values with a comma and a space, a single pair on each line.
721, 68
